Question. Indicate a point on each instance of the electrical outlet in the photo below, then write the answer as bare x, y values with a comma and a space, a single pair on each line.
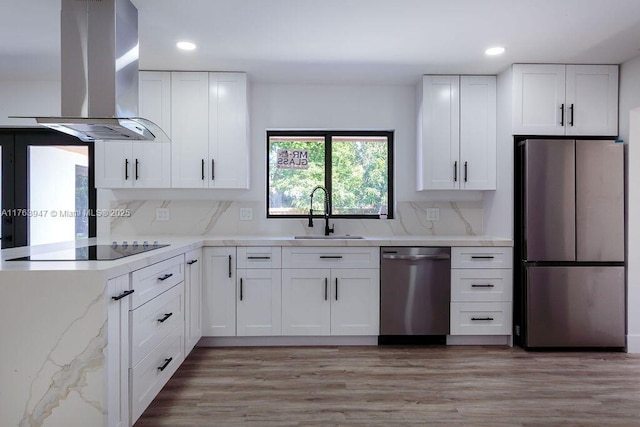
246, 214
162, 214
433, 214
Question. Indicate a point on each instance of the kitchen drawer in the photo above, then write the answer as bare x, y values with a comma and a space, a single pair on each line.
151, 281
149, 376
153, 321
259, 257
480, 318
481, 285
330, 257
484, 257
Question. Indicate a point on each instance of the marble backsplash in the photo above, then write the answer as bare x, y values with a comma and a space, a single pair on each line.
222, 218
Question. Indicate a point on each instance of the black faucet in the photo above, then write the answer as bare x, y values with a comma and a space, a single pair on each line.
327, 209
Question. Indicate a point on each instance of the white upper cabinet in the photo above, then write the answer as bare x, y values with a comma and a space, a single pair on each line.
209, 115
457, 133
154, 98
557, 99
124, 164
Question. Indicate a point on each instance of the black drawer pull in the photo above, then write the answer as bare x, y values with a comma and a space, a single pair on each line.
165, 277
325, 288
240, 289
488, 285
482, 318
482, 257
166, 316
336, 289
166, 363
193, 261
330, 256
229, 265
258, 257
122, 295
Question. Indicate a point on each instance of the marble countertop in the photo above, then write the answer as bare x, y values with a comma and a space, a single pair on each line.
179, 245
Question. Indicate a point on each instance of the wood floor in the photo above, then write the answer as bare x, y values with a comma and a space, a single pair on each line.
392, 386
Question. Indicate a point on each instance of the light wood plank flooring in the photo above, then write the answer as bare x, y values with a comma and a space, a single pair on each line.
391, 386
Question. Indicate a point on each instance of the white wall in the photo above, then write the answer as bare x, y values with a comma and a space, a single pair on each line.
498, 205
28, 98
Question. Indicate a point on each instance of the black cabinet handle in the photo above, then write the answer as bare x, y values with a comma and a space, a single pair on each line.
240, 289
336, 289
126, 169
562, 115
166, 316
165, 277
488, 285
229, 265
258, 257
122, 295
571, 109
465, 171
193, 261
202, 169
326, 283
482, 318
330, 256
213, 169
482, 256
137, 175
166, 363
455, 171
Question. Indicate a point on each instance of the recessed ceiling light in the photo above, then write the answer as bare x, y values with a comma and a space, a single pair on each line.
494, 50
186, 45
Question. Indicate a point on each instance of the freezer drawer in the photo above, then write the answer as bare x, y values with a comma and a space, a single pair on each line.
575, 306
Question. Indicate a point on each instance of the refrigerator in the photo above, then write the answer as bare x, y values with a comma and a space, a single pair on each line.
570, 285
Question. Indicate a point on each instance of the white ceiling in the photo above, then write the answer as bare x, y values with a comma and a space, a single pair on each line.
341, 41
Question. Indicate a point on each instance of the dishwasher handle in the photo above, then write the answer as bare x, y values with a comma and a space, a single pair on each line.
437, 257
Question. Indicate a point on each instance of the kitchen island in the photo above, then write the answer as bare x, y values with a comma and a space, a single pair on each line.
66, 357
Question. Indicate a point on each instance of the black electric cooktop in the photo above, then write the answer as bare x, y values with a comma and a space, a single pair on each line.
92, 253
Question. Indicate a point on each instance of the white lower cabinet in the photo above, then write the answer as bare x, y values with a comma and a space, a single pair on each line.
219, 292
193, 299
481, 291
333, 300
258, 302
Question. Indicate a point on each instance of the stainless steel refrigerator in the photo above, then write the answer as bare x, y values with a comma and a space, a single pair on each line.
570, 288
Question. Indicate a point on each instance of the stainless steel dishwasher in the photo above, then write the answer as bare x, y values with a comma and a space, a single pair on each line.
415, 286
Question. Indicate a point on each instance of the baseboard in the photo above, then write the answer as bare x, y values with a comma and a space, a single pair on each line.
479, 340
286, 341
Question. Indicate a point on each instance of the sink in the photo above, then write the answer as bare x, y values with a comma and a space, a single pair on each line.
336, 237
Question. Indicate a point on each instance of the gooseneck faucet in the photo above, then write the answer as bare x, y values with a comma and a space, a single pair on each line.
327, 209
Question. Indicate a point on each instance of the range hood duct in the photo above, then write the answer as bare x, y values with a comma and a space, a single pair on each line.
99, 60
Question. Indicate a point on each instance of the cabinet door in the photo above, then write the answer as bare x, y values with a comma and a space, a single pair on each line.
151, 165
539, 99
117, 352
113, 168
439, 139
228, 131
189, 130
219, 292
478, 132
592, 100
193, 299
355, 302
259, 302
154, 98
306, 305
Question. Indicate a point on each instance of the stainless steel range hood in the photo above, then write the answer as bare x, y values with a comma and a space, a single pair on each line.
99, 59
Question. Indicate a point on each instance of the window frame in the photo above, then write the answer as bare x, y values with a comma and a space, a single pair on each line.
328, 135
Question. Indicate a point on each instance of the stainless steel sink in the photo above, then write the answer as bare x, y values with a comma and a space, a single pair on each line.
331, 237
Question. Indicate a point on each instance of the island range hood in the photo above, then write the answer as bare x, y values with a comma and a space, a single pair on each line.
99, 60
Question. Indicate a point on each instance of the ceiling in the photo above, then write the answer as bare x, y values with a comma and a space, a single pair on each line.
341, 41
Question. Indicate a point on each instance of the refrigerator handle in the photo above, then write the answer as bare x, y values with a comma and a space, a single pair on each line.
562, 115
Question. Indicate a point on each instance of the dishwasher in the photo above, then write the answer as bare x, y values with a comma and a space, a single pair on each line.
415, 287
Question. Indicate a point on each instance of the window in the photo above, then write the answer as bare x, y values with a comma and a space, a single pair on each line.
47, 187
354, 166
